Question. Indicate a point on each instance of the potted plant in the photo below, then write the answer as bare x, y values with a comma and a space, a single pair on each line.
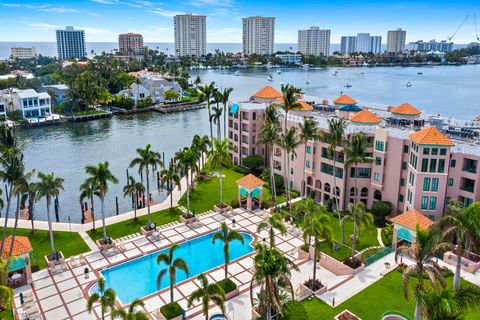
85, 272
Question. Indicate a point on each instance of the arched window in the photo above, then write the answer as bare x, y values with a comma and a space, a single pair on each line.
364, 192
377, 195
309, 181
318, 184
326, 187
337, 189
352, 192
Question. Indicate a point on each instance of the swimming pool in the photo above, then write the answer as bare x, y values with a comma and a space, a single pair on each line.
137, 278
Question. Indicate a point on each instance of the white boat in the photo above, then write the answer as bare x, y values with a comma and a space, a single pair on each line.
335, 73
279, 71
237, 73
409, 84
270, 78
307, 82
348, 85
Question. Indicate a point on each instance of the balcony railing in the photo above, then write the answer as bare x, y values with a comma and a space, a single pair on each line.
471, 169
468, 188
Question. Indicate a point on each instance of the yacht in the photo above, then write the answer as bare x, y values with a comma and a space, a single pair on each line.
348, 85
409, 84
307, 82
270, 78
335, 73
279, 71
237, 73
419, 73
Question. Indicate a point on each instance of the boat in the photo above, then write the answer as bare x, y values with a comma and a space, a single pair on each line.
307, 82
409, 84
237, 73
362, 72
279, 71
419, 73
270, 78
348, 85
335, 73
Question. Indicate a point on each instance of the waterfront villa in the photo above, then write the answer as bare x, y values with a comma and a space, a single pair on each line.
60, 91
151, 85
419, 163
29, 103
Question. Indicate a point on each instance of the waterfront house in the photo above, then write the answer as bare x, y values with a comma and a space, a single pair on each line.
31, 104
60, 91
136, 92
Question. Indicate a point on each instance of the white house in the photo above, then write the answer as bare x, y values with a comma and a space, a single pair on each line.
136, 92
31, 103
3, 108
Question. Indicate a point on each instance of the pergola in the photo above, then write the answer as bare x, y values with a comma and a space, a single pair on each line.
250, 191
20, 269
405, 226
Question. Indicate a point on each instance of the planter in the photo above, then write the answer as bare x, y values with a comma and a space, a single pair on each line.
346, 315
318, 292
187, 220
303, 255
232, 294
145, 232
103, 246
255, 314
53, 263
223, 209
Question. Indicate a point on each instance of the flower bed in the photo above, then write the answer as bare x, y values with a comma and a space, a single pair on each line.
346, 315
221, 208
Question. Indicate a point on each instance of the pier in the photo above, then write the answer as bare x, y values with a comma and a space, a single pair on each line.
186, 106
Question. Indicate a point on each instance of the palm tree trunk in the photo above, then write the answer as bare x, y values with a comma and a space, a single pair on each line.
221, 185
225, 121
354, 240
171, 291
417, 311
171, 198
7, 211
93, 212
315, 252
102, 208
304, 183
188, 195
335, 197
272, 176
50, 227
458, 266
15, 226
32, 219
219, 131
148, 198
135, 211
210, 120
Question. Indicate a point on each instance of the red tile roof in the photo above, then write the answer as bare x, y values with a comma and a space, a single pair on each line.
406, 109
344, 99
365, 116
268, 92
411, 219
250, 181
302, 106
21, 245
431, 136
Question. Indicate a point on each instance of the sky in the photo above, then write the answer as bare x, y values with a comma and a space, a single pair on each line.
103, 20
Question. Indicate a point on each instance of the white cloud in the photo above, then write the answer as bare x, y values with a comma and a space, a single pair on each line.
165, 13
210, 3
45, 26
105, 1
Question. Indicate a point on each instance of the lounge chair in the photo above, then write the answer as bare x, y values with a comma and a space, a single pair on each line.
158, 315
122, 247
63, 265
73, 262
82, 260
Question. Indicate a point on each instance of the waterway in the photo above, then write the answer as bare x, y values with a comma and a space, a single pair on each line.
67, 148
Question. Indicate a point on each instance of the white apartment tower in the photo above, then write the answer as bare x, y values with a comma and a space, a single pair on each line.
396, 40
348, 44
314, 41
376, 44
190, 35
258, 35
363, 43
70, 43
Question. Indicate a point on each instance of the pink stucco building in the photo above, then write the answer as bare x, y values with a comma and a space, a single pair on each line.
419, 164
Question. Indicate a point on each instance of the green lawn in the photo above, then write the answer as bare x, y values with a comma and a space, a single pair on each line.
70, 243
127, 227
385, 294
207, 193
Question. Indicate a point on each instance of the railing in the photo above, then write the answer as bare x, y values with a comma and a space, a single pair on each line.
467, 188
379, 255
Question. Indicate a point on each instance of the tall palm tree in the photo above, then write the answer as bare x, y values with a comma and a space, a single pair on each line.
87, 191
207, 92
101, 176
272, 272
106, 298
269, 136
49, 186
170, 177
310, 210
360, 218
146, 159
188, 162
274, 222
290, 98
356, 152
133, 189
289, 142
219, 158
224, 98
30, 195
202, 145
6, 293
216, 118
308, 132
131, 313
427, 245
206, 293
464, 226
172, 265
227, 236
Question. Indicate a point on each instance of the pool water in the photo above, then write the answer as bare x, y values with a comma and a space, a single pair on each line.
137, 278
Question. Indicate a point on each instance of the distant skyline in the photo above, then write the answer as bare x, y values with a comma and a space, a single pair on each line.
104, 20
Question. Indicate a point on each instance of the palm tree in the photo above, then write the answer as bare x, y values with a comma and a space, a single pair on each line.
131, 313
289, 142
463, 225
227, 236
216, 118
206, 293
106, 298
87, 191
53, 97
202, 145
310, 210
100, 176
169, 177
422, 253
6, 293
308, 132
49, 186
188, 162
207, 92
357, 214
30, 195
290, 98
272, 272
274, 222
224, 97
269, 136
172, 264
356, 152
220, 157
146, 158
133, 189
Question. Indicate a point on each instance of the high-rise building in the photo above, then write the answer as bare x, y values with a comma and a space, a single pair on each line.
23, 53
348, 44
314, 41
396, 40
258, 35
376, 44
131, 43
190, 35
70, 43
363, 43
432, 45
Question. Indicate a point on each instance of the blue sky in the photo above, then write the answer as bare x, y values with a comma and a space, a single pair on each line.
103, 20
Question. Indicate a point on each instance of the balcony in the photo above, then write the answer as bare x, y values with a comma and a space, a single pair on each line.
470, 166
467, 185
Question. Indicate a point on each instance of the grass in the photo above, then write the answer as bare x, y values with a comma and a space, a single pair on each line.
342, 254
88, 112
6, 315
385, 294
70, 243
207, 192
127, 227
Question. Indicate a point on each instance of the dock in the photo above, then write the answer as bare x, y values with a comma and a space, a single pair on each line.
88, 117
187, 106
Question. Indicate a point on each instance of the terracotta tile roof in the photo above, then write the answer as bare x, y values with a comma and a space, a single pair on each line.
302, 106
250, 181
411, 219
21, 245
268, 92
365, 116
344, 99
431, 136
406, 109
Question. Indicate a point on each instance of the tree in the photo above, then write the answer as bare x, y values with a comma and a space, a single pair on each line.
356, 152
146, 158
274, 222
227, 236
422, 253
206, 93
172, 265
171, 95
6, 293
290, 98
49, 186
106, 298
100, 176
87, 191
30, 195
381, 209
360, 218
224, 97
133, 189
289, 142
216, 118
254, 163
188, 162
197, 81
201, 145
310, 210
206, 293
219, 158
131, 313
308, 132
169, 177
269, 136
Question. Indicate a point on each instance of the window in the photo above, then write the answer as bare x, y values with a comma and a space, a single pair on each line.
405, 149
450, 182
309, 149
291, 170
307, 164
443, 152
411, 178
424, 203
441, 165
409, 196
379, 145
400, 198
426, 150
426, 184
404, 165
291, 184
435, 151
433, 165
424, 165
378, 161
254, 116
402, 182
434, 184
363, 173
453, 163
377, 176
433, 203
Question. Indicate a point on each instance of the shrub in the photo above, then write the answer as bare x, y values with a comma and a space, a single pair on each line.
294, 310
227, 285
121, 101
240, 169
329, 204
264, 204
387, 234
171, 95
171, 310
381, 209
254, 163
234, 204
279, 184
